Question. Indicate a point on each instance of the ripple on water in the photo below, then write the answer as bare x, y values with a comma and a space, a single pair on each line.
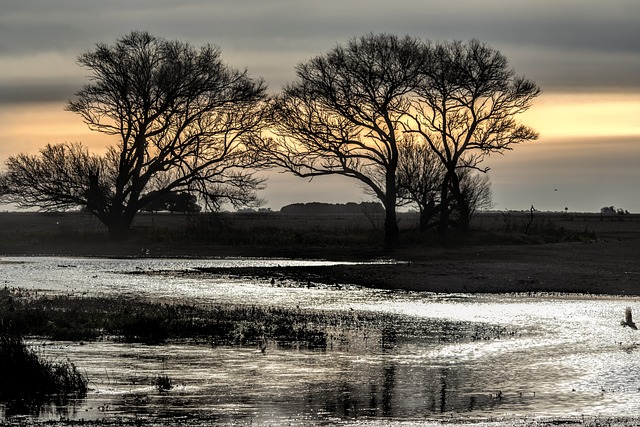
472, 355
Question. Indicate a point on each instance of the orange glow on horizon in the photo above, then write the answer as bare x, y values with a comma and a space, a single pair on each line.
585, 115
28, 127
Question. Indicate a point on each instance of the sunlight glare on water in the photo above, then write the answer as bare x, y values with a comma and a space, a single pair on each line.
542, 355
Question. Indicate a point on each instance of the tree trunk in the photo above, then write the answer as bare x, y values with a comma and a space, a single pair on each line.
465, 214
119, 224
391, 231
424, 220
426, 214
444, 205
118, 230
461, 203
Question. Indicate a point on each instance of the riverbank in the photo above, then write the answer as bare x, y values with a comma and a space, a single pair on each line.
600, 259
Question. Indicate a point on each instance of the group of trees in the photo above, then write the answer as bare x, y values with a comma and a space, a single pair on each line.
409, 119
612, 210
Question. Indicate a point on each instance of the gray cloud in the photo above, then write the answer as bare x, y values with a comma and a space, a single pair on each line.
590, 25
29, 92
568, 45
583, 174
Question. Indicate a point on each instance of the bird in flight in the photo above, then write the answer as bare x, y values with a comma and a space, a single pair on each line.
628, 319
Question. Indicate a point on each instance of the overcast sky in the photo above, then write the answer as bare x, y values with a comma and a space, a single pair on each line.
585, 54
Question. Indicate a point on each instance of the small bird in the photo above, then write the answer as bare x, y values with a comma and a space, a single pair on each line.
628, 319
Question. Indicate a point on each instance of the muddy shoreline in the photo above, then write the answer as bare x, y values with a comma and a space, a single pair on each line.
603, 266
605, 262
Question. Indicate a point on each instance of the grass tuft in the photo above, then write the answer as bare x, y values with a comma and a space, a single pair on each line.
163, 383
23, 374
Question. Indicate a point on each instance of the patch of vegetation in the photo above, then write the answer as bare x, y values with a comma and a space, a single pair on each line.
332, 233
163, 383
543, 227
135, 320
25, 375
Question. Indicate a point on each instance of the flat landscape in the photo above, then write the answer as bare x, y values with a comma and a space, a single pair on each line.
560, 252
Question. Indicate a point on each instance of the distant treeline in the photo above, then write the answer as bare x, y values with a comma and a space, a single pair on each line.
314, 208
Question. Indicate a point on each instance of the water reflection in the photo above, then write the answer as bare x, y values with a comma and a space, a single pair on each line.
59, 407
476, 356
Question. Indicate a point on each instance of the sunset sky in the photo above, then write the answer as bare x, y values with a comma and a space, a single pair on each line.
585, 54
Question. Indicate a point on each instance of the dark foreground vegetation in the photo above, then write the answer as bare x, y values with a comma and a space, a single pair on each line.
29, 378
123, 319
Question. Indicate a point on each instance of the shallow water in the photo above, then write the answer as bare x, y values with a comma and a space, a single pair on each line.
554, 355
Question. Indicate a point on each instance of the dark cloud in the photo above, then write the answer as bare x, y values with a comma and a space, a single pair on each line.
29, 92
572, 44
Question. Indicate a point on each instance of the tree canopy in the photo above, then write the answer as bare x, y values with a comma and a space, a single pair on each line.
343, 115
467, 104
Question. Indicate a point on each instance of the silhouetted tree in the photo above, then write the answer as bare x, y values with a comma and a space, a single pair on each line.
60, 177
419, 176
342, 115
607, 210
419, 179
468, 101
182, 118
475, 188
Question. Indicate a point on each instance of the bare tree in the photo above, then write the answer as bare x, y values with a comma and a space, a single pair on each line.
468, 101
475, 187
342, 115
419, 179
62, 176
182, 119
419, 176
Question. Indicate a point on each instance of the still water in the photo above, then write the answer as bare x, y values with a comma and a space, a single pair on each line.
552, 356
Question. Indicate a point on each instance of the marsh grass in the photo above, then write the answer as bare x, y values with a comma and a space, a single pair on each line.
25, 375
137, 320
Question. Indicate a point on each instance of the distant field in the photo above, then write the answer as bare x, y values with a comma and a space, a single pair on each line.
31, 223
584, 252
52, 223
